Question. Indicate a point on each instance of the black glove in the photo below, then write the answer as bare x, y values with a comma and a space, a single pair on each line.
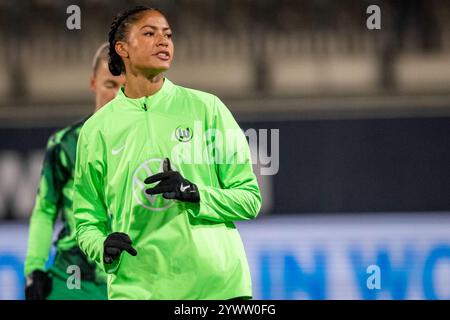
172, 185
38, 285
114, 244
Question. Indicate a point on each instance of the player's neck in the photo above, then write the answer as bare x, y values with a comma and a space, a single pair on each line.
138, 85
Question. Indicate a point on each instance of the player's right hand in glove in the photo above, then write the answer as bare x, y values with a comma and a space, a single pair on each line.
38, 285
114, 244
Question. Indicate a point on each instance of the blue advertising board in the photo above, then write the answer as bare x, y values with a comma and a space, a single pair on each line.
404, 256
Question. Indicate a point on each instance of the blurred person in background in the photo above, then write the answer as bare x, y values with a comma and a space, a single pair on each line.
179, 234
54, 198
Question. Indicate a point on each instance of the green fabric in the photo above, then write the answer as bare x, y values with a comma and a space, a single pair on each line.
185, 250
74, 257
54, 198
88, 290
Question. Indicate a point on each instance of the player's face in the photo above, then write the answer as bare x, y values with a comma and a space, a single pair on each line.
149, 44
105, 85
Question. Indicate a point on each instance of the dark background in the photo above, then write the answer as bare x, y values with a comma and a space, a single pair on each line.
340, 166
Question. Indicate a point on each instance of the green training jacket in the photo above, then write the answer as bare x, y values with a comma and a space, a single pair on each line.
185, 250
54, 198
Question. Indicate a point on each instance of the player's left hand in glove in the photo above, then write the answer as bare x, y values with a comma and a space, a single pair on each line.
38, 285
173, 185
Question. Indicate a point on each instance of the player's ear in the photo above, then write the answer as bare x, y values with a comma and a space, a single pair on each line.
122, 49
93, 83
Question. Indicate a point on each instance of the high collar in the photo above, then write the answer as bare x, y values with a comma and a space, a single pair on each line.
148, 101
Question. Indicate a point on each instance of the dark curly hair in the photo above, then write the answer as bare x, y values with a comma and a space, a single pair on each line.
118, 32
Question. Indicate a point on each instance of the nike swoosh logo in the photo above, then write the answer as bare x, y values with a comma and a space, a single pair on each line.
117, 151
184, 188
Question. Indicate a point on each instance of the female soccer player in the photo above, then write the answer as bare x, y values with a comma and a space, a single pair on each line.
174, 218
55, 197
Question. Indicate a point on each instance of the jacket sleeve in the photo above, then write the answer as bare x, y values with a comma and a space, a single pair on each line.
46, 207
238, 197
91, 216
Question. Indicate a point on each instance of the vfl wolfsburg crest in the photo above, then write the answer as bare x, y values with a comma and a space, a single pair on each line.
150, 202
183, 134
